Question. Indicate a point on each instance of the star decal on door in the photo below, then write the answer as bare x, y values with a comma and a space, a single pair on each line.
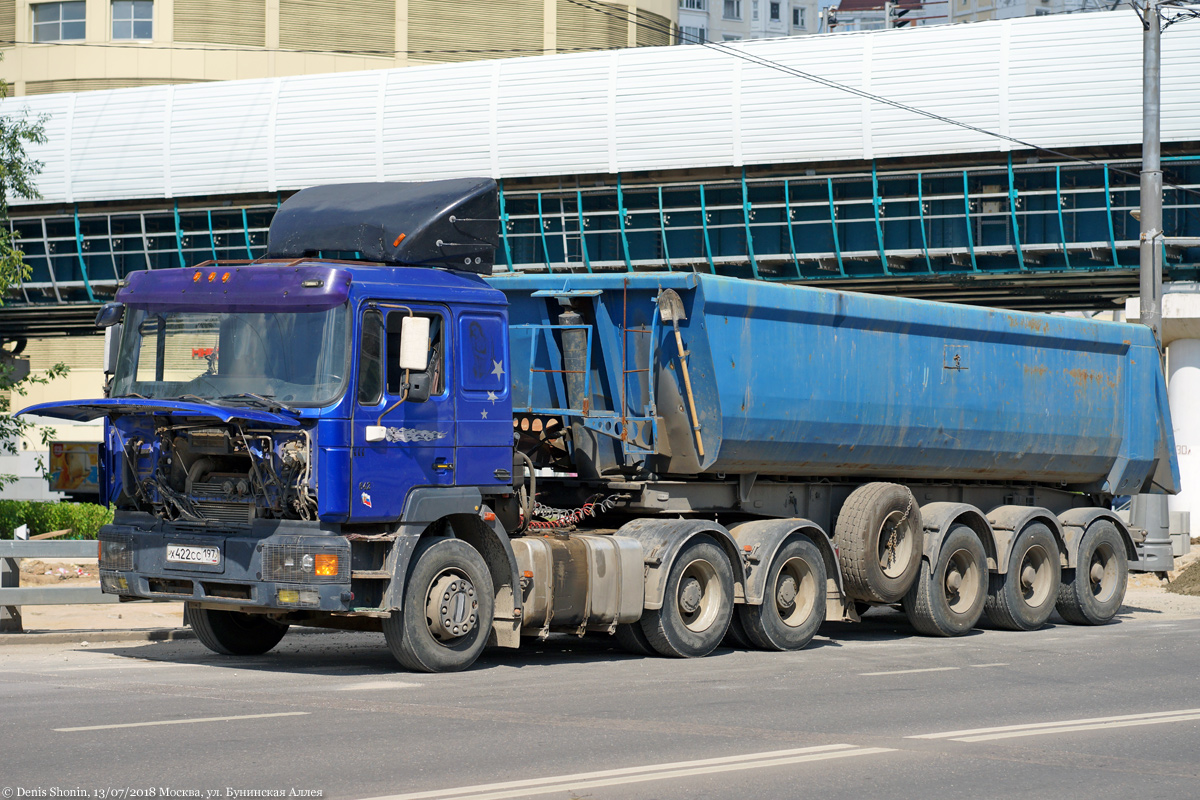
497, 369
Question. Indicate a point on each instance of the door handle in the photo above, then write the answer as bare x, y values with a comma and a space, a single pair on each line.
443, 466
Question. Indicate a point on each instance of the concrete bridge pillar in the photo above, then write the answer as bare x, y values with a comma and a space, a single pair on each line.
1181, 335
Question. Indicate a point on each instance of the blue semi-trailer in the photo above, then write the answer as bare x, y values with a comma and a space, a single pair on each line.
367, 428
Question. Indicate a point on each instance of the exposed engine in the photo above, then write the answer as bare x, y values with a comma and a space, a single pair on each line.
226, 474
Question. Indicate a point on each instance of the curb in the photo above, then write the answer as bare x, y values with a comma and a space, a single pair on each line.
69, 637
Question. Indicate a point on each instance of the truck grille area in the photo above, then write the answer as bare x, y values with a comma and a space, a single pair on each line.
226, 512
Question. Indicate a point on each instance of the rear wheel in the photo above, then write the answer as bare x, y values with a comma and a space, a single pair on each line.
879, 537
234, 633
948, 598
447, 613
632, 639
1091, 593
793, 604
1023, 599
697, 602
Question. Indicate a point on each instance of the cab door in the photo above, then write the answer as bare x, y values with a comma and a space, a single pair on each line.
419, 433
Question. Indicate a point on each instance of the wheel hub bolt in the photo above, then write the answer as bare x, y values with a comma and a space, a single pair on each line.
1097, 572
954, 580
689, 596
1028, 575
785, 595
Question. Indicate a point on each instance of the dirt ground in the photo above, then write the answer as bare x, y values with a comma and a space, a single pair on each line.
52, 572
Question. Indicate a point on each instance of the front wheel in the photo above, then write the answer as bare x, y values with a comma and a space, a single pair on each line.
948, 598
793, 604
1091, 594
234, 633
697, 602
447, 613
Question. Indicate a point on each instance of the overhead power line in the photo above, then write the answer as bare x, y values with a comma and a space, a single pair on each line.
731, 49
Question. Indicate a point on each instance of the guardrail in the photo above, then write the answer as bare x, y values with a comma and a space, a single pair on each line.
13, 595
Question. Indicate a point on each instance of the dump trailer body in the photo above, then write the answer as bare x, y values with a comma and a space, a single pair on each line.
800, 381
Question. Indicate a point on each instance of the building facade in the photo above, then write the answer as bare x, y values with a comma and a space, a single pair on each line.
79, 45
734, 20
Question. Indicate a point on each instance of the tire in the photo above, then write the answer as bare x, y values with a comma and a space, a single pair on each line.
1023, 599
793, 604
448, 586
735, 637
948, 598
879, 538
697, 602
234, 633
1092, 592
632, 639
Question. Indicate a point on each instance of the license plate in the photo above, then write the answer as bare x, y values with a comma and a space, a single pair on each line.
190, 554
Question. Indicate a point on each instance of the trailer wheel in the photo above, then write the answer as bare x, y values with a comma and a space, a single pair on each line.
1023, 599
632, 639
447, 613
697, 602
234, 633
735, 637
948, 598
793, 604
1091, 594
879, 538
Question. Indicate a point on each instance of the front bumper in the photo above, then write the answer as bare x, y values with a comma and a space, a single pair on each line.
261, 566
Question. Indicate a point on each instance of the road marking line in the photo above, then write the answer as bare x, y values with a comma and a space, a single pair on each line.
353, 687
910, 671
650, 772
981, 666
181, 721
1070, 724
1073, 728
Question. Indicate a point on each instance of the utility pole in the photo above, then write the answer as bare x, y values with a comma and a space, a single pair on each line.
1150, 240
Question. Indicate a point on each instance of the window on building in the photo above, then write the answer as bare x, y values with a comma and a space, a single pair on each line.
133, 19
774, 12
58, 22
688, 35
798, 18
1041, 12
729, 37
733, 9
694, 5
754, 10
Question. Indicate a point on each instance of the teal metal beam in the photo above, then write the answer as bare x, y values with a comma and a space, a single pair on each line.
837, 248
178, 236
1112, 238
246, 233
877, 204
542, 233
1012, 210
662, 229
504, 227
1062, 227
704, 224
621, 219
587, 262
87, 284
921, 214
787, 218
967, 211
212, 237
746, 212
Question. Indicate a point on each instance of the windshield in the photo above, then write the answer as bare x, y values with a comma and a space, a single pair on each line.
297, 358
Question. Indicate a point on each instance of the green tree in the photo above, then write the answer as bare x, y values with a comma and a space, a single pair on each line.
18, 179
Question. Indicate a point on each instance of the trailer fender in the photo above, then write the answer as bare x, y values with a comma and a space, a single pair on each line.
762, 539
939, 518
1076, 522
661, 541
1008, 521
462, 514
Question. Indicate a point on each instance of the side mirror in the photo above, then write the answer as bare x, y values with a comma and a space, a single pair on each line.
112, 345
110, 314
414, 344
419, 387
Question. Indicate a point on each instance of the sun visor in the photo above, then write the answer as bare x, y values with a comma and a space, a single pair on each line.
452, 223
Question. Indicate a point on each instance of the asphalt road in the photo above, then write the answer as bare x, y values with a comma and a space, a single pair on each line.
866, 711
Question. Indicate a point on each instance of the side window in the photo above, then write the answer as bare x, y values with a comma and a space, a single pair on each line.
484, 367
436, 373
370, 369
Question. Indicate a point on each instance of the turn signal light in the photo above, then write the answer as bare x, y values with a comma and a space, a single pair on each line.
326, 564
196, 278
212, 276
225, 278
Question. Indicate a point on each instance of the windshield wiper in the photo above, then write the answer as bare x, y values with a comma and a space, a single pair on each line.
265, 401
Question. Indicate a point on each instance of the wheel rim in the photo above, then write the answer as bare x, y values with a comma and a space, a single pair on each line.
895, 545
960, 584
795, 592
699, 596
1102, 573
451, 607
1034, 575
